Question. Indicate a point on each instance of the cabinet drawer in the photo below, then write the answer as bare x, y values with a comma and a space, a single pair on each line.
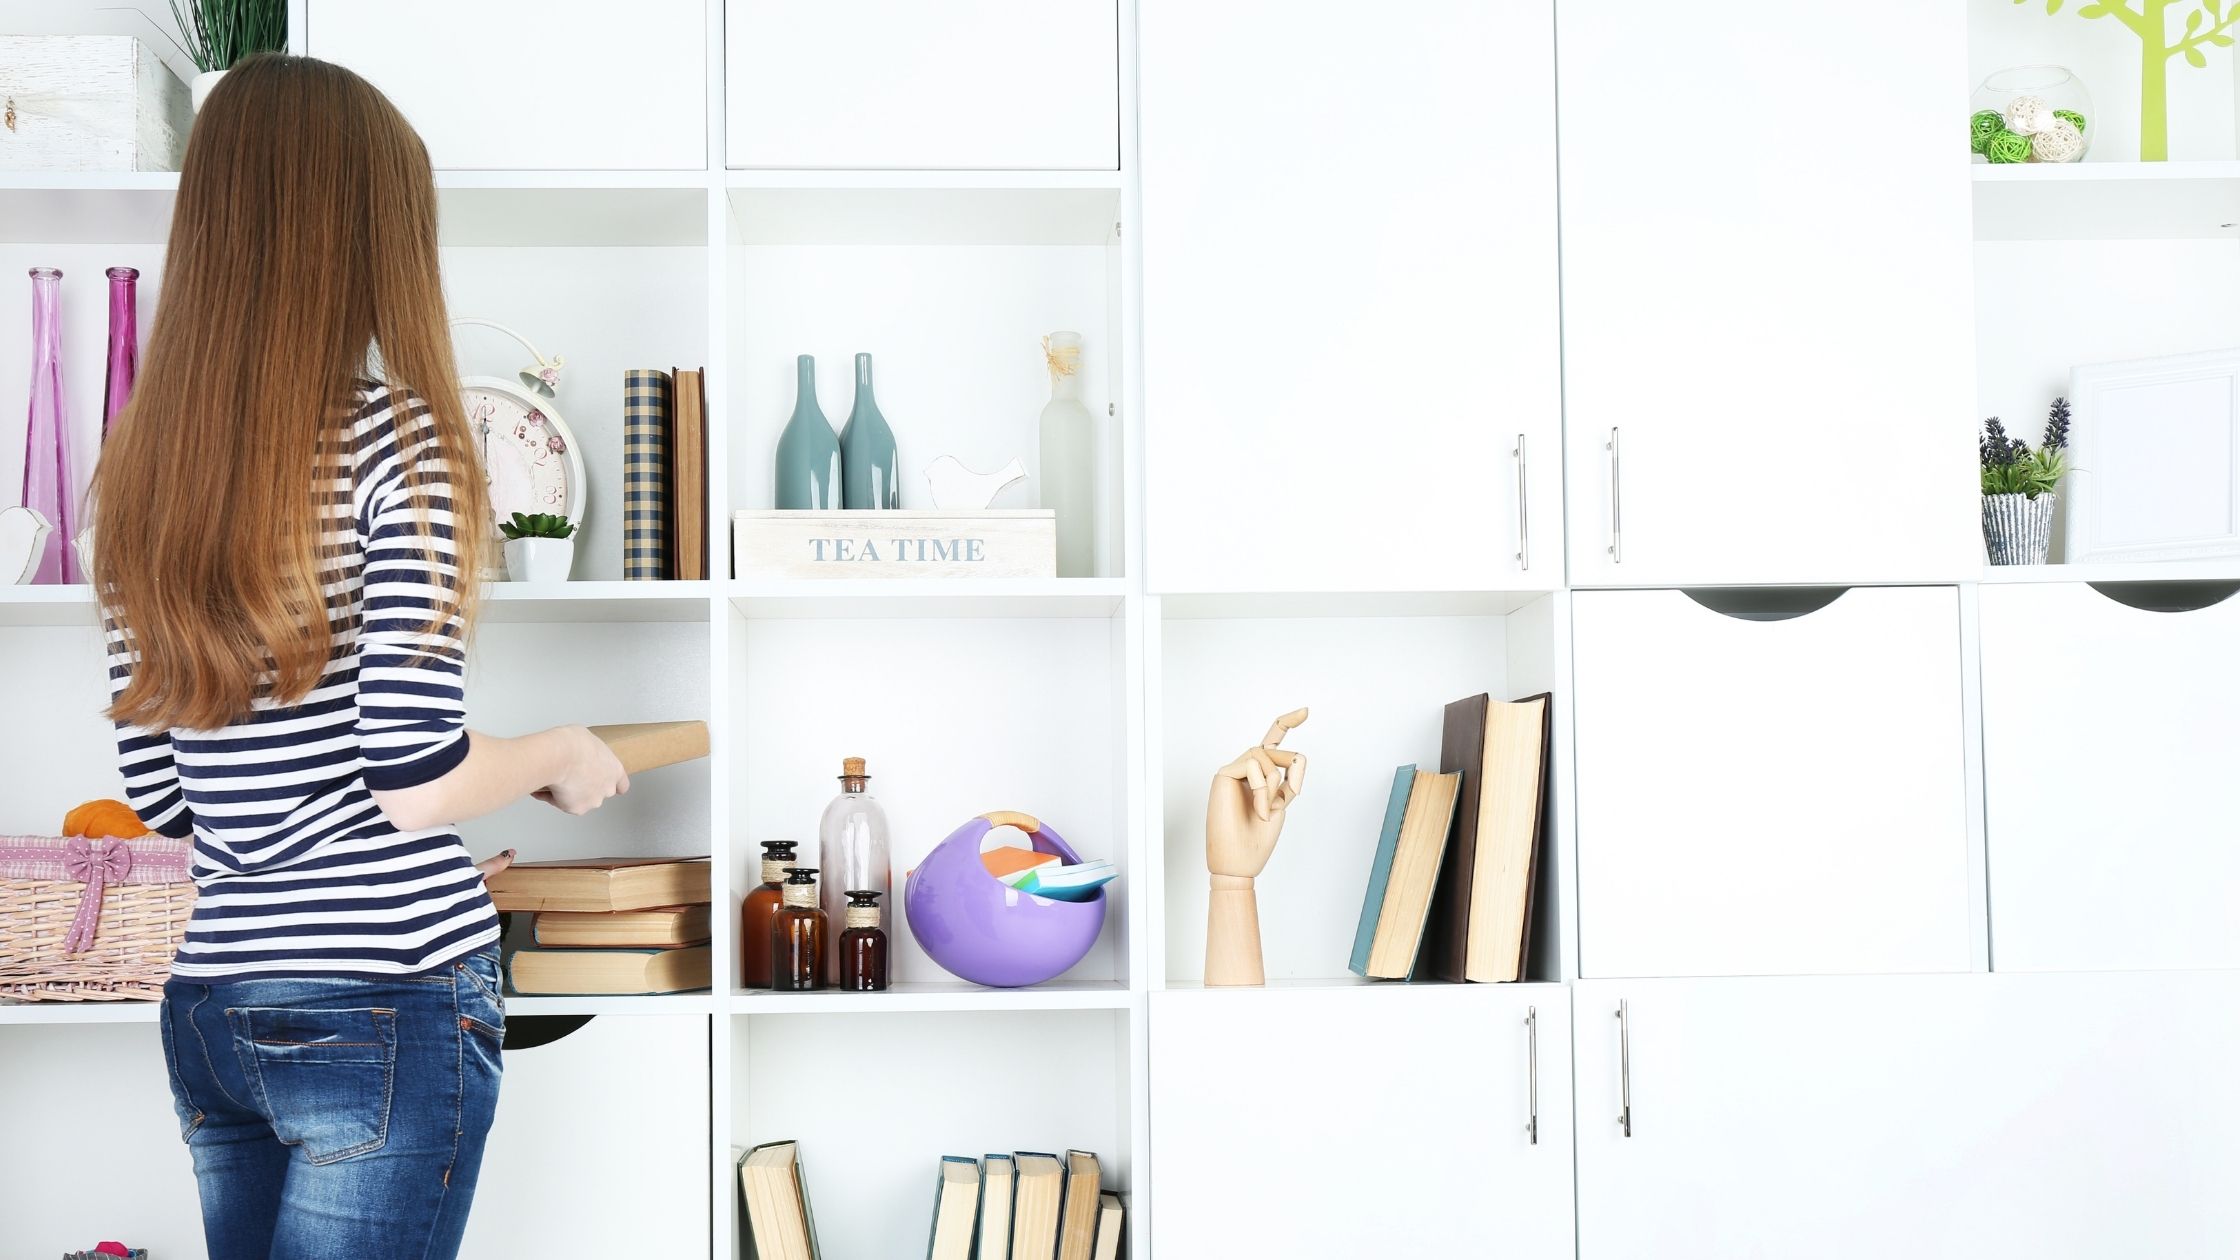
601, 1145
578, 85
923, 84
1770, 796
1282, 1128
2110, 734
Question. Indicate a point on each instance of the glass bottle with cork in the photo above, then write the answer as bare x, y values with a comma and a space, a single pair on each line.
755, 914
863, 946
797, 935
852, 842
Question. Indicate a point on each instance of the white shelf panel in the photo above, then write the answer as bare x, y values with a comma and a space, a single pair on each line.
898, 208
1334, 984
1212, 606
46, 606
916, 179
940, 995
625, 1004
77, 1013
2108, 201
765, 600
476, 207
2155, 571
597, 601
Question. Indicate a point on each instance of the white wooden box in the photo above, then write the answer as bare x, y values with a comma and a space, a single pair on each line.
533, 84
1020, 543
923, 84
89, 103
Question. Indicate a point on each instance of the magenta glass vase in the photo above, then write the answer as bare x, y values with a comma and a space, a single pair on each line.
46, 452
124, 344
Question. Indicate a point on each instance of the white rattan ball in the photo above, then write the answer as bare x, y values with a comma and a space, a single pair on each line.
2029, 115
2059, 142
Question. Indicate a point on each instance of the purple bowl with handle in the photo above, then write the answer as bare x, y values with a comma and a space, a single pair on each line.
981, 929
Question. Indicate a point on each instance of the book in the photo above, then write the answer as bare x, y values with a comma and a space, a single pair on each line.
601, 884
994, 1231
645, 474
1077, 1220
956, 1209
778, 1212
688, 475
1380, 869
1480, 914
664, 927
537, 970
1037, 1197
1065, 883
642, 746
1109, 1213
1407, 870
1009, 860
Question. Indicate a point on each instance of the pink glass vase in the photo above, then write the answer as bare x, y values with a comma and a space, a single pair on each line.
124, 344
46, 453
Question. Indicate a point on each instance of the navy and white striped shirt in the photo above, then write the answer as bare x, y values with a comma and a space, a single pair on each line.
298, 872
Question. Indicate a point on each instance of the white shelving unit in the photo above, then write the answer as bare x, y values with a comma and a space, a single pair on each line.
1335, 357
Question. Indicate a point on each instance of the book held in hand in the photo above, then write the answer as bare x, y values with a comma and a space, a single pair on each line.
642, 746
601, 884
1418, 816
609, 971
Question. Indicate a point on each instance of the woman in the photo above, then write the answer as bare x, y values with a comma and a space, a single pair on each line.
290, 521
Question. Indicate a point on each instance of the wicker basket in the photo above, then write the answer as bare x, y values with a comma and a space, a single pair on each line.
136, 918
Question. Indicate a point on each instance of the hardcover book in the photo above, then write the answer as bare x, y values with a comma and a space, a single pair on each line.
1480, 916
1077, 1222
994, 1241
956, 1209
645, 474
688, 475
777, 1192
1407, 869
609, 971
1037, 1200
644, 746
665, 927
601, 884
1110, 1212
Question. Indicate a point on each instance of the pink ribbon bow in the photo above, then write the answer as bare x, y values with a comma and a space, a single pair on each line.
96, 862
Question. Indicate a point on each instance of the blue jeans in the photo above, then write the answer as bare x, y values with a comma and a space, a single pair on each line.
336, 1118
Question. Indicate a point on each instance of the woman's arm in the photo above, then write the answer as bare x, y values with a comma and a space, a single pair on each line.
567, 766
151, 777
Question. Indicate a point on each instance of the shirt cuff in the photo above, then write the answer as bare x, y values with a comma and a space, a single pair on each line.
429, 766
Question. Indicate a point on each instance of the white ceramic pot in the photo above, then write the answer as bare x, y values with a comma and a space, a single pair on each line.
540, 559
199, 90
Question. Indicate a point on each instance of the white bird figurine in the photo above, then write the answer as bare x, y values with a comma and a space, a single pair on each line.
23, 539
957, 488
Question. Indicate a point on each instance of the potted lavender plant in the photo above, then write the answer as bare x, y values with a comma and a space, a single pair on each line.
2018, 488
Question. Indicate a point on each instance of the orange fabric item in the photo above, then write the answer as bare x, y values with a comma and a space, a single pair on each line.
1010, 859
104, 819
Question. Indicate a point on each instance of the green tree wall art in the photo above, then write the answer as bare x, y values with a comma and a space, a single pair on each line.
2207, 23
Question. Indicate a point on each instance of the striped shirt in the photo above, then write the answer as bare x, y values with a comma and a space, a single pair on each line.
298, 872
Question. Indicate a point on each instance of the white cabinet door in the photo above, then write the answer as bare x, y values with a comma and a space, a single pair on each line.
1965, 1117
1767, 288
1349, 288
533, 84
1770, 796
2110, 740
923, 84
563, 1176
1361, 1121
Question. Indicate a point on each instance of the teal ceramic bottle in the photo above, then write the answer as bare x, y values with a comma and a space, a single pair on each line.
867, 455
808, 453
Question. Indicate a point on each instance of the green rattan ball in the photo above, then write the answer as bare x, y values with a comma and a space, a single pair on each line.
2073, 118
1982, 125
2007, 147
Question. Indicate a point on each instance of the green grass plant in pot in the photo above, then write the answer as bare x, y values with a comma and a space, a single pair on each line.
217, 33
2018, 488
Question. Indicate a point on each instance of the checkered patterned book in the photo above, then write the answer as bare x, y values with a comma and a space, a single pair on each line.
645, 474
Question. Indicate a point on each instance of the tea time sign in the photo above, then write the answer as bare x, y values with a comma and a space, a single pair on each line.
990, 543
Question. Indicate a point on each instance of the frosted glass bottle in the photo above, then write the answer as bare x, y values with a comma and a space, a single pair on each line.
808, 451
46, 440
852, 846
1069, 457
868, 463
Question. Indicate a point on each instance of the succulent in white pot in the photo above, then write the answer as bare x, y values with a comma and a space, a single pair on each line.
539, 547
2018, 488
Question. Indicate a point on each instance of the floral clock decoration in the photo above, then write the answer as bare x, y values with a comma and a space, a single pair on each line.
529, 454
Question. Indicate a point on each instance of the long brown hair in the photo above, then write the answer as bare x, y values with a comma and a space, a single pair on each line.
303, 238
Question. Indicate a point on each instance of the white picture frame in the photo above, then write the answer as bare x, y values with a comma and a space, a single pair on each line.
2154, 471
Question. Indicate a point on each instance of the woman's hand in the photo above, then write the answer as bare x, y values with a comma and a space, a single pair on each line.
590, 773
492, 865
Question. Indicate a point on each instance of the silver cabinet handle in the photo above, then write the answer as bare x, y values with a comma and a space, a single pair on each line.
1532, 1069
1617, 523
1625, 1070
1524, 518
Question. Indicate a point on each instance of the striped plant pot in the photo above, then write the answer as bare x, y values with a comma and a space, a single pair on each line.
2017, 529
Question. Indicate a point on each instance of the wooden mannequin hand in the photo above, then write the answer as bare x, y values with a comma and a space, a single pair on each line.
1245, 807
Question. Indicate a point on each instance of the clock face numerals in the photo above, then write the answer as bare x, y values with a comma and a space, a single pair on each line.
524, 453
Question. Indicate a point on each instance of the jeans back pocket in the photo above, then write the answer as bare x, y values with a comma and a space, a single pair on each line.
325, 1077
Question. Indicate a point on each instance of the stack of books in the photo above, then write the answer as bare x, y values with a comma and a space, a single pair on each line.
1026, 1206
609, 925
1450, 885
